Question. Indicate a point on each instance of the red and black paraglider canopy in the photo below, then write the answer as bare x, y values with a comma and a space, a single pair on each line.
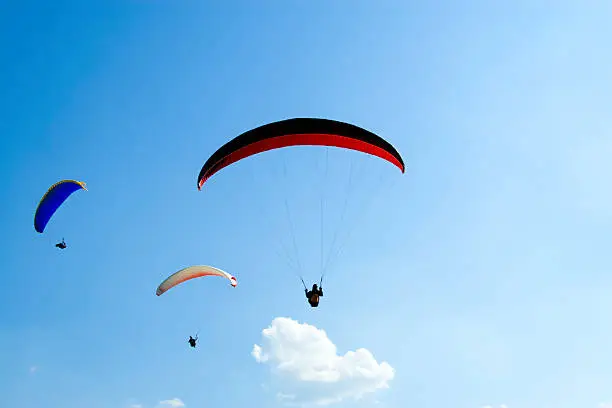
296, 132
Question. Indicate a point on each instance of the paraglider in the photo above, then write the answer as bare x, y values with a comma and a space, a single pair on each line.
313, 295
189, 273
57, 194
300, 132
193, 272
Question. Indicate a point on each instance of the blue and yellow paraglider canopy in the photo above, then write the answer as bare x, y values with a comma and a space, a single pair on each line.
52, 200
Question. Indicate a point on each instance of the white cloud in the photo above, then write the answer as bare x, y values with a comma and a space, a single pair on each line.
132, 403
309, 368
174, 403
285, 397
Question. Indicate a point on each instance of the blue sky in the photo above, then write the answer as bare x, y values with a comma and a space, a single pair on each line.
485, 266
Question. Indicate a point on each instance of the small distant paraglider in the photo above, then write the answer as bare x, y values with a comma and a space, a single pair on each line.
189, 273
57, 194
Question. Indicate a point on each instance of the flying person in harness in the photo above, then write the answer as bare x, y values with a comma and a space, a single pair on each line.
314, 295
192, 341
61, 245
